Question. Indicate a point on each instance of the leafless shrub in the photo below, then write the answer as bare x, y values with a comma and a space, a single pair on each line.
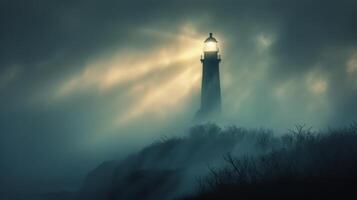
303, 154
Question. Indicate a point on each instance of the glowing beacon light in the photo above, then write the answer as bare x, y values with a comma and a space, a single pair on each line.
211, 44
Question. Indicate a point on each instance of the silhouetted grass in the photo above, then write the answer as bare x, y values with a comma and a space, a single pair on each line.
303, 165
233, 163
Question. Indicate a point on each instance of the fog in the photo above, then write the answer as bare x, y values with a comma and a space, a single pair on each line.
85, 82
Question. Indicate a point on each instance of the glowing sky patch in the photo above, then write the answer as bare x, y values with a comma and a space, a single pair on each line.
264, 41
166, 99
146, 75
352, 64
316, 81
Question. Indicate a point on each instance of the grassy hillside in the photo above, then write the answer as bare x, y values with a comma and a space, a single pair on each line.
232, 163
307, 166
170, 167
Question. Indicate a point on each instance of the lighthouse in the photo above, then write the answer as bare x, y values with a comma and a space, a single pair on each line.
210, 87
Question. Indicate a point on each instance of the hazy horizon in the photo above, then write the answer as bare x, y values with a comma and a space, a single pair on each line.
87, 81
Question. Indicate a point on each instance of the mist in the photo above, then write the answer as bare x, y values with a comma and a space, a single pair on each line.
90, 81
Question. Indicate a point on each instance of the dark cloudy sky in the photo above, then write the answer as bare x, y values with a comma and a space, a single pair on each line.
84, 81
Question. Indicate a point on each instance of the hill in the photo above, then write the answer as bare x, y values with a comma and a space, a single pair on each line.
171, 167
232, 163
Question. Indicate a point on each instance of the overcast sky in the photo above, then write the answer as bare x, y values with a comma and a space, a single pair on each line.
92, 80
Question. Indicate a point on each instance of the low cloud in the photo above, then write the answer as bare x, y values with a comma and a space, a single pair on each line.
88, 79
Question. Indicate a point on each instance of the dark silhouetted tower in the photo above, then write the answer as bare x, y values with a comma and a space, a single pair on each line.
210, 89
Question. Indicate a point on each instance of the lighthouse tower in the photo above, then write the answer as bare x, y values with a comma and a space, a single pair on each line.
210, 88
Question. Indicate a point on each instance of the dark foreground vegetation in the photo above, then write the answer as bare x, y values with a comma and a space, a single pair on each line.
305, 165
170, 168
231, 163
